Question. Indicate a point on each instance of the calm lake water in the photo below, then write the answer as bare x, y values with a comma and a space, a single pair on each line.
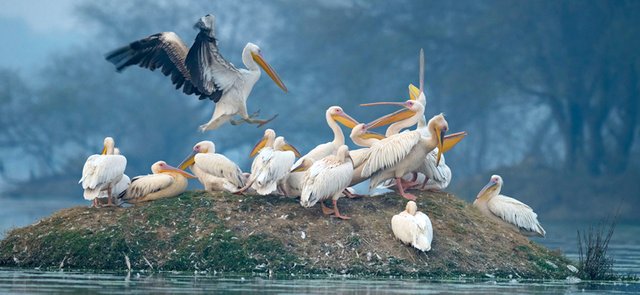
624, 247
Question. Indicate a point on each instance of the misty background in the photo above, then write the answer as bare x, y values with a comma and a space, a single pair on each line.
547, 90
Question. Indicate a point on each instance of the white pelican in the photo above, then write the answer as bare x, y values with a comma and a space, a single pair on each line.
271, 166
333, 115
119, 187
506, 210
403, 153
326, 179
201, 70
102, 172
364, 138
165, 182
413, 227
215, 171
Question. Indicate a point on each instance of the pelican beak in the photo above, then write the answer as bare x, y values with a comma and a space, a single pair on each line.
256, 149
374, 135
104, 150
188, 161
440, 134
390, 118
414, 92
451, 140
257, 57
179, 171
486, 188
345, 120
304, 165
288, 147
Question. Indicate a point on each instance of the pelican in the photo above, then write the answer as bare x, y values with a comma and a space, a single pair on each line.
413, 227
165, 182
201, 70
362, 137
271, 166
120, 186
333, 115
326, 179
215, 171
102, 172
403, 153
508, 211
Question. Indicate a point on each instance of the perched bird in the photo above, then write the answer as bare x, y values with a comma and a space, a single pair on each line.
271, 166
413, 227
102, 172
119, 187
215, 171
403, 153
508, 211
201, 70
165, 182
364, 138
326, 179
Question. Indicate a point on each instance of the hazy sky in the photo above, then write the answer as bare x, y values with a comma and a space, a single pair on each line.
31, 29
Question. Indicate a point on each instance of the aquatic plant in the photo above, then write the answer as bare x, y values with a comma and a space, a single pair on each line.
594, 263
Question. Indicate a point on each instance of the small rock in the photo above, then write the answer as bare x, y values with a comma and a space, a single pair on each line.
573, 280
572, 268
489, 276
551, 264
303, 235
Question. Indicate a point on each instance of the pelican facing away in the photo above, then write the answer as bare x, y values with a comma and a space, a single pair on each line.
413, 227
508, 211
326, 179
102, 172
120, 186
165, 182
201, 70
215, 171
271, 166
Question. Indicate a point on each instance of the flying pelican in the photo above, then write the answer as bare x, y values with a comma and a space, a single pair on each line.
326, 179
201, 70
215, 171
102, 172
165, 182
403, 153
333, 115
508, 211
272, 164
413, 227
119, 187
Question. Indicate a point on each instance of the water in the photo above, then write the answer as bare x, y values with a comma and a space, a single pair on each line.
624, 248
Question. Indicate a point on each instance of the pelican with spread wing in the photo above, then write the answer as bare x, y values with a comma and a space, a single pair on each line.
201, 70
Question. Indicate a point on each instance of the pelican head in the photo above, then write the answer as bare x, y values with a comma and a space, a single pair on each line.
439, 127
411, 109
200, 147
492, 188
206, 24
411, 208
108, 146
304, 165
343, 154
266, 141
252, 55
336, 113
163, 167
360, 132
280, 144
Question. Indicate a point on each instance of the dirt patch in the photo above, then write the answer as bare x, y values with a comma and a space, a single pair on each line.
223, 232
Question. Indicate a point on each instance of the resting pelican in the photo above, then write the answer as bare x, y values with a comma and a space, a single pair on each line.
272, 164
119, 187
102, 172
333, 115
215, 171
201, 70
403, 153
508, 211
165, 182
327, 179
413, 227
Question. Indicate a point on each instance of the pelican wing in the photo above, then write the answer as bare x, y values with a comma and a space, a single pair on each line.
423, 232
516, 213
163, 50
389, 152
220, 166
359, 156
147, 184
440, 173
326, 178
210, 72
101, 170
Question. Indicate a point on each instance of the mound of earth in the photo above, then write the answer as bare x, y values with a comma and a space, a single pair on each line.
221, 232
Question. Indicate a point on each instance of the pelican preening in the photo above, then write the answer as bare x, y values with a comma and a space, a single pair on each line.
413, 227
165, 182
201, 70
120, 186
102, 172
508, 211
215, 171
326, 179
